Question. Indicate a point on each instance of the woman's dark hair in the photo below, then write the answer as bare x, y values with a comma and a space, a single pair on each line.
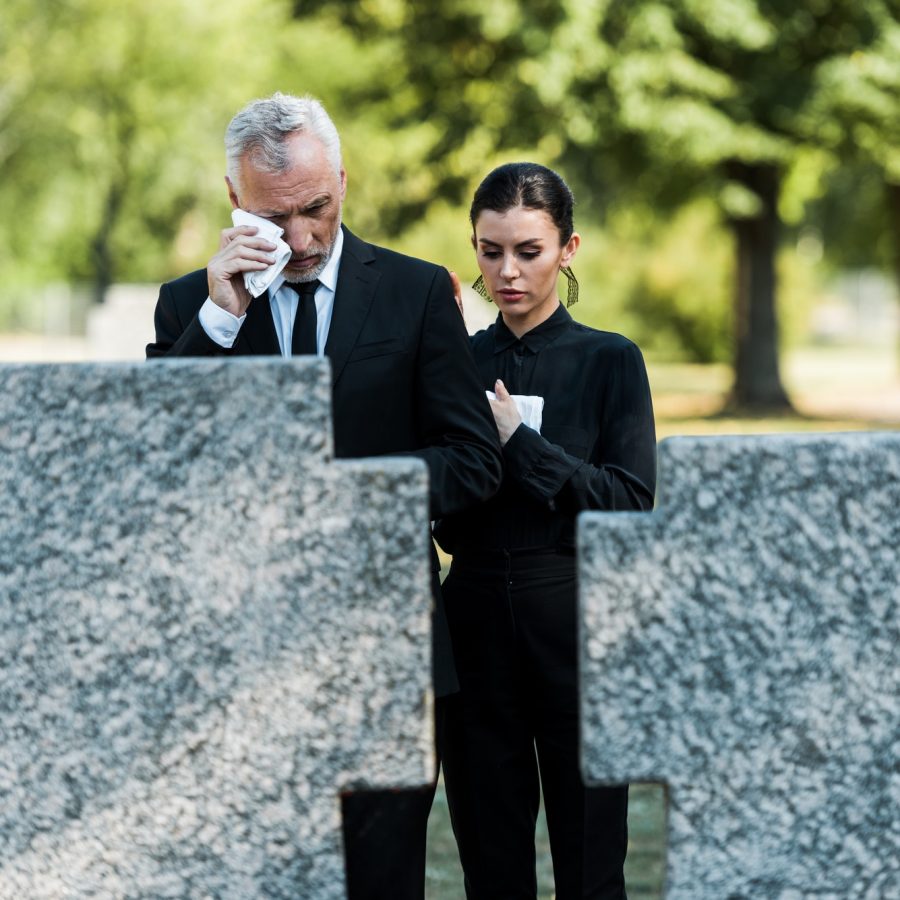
530, 185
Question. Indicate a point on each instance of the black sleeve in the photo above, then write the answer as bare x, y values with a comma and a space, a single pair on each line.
621, 474
456, 427
177, 324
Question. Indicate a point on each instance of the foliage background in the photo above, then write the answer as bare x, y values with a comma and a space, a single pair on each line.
111, 119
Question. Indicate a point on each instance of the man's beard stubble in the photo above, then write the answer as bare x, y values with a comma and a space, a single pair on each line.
313, 274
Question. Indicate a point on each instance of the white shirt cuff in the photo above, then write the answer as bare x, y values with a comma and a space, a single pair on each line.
219, 324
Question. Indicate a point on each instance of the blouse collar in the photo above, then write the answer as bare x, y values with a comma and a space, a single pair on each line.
535, 339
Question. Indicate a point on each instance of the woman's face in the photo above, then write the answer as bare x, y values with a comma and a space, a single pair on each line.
520, 256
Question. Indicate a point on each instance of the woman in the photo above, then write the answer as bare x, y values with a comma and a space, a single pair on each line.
510, 594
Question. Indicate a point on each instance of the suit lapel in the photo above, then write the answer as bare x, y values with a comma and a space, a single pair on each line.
356, 284
257, 336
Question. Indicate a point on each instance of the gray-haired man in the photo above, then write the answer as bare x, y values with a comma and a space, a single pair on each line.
403, 378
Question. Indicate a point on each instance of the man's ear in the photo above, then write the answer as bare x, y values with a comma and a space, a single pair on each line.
343, 183
232, 194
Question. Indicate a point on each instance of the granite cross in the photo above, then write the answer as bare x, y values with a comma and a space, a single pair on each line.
208, 628
742, 645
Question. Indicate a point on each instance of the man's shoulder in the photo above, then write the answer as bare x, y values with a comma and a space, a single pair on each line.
187, 293
190, 284
394, 257
385, 258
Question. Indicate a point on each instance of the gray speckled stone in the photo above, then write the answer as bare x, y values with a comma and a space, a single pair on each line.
207, 630
742, 644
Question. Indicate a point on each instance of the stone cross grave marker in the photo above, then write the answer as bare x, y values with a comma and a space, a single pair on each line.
742, 645
208, 629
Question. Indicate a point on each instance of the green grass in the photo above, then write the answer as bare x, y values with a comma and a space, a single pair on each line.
644, 865
832, 389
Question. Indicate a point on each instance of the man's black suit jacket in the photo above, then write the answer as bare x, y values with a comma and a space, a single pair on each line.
404, 381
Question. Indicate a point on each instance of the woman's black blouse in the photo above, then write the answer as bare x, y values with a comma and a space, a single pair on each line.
597, 444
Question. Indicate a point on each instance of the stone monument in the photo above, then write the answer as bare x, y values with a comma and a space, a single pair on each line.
208, 629
742, 645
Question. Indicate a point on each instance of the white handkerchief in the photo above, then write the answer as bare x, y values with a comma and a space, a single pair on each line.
531, 408
259, 282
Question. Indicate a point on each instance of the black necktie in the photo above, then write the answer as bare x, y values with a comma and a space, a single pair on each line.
303, 338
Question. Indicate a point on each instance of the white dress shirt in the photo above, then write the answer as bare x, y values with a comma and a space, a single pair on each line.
223, 327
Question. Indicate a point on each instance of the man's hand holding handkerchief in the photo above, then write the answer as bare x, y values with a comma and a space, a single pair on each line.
271, 278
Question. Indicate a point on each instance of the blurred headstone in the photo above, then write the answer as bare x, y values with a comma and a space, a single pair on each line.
208, 629
860, 306
121, 327
742, 645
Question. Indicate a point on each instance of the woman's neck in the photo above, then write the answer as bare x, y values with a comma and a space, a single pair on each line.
521, 325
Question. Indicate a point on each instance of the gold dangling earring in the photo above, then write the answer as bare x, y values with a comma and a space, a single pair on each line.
479, 287
572, 292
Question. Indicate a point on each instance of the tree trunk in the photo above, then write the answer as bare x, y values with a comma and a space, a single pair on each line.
101, 248
892, 196
104, 267
757, 381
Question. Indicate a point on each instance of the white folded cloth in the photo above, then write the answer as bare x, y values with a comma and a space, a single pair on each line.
259, 282
531, 408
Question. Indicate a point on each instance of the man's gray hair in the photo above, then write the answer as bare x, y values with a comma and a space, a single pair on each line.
261, 129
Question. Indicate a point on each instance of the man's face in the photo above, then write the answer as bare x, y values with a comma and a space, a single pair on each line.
305, 200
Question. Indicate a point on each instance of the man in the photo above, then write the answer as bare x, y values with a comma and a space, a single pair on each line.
404, 381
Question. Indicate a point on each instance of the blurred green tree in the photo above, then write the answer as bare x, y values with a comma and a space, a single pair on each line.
108, 121
459, 83
724, 88
858, 108
111, 124
111, 130
638, 98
